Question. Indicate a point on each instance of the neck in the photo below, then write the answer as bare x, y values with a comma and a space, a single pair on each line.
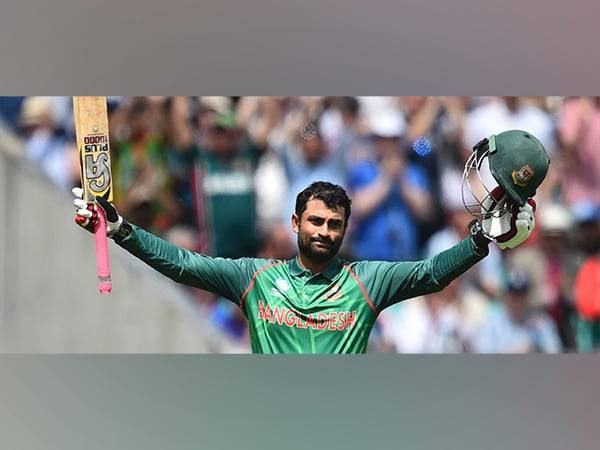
314, 266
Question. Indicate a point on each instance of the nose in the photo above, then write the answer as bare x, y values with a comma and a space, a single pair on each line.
324, 232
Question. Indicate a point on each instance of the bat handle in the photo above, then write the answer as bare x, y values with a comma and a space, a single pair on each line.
102, 260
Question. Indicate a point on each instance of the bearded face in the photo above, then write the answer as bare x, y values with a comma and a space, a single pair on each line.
320, 231
318, 248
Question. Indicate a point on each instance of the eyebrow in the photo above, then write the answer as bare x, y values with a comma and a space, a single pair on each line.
337, 221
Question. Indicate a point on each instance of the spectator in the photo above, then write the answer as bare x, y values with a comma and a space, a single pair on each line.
551, 265
180, 150
342, 126
223, 189
587, 294
586, 216
260, 116
433, 324
440, 121
390, 198
579, 131
509, 113
515, 326
587, 286
142, 182
46, 143
207, 109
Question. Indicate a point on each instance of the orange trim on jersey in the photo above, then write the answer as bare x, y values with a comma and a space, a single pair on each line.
362, 289
254, 275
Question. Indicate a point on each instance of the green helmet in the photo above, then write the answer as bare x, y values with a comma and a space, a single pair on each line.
515, 160
518, 162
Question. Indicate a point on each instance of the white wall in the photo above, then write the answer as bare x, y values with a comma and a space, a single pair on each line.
49, 300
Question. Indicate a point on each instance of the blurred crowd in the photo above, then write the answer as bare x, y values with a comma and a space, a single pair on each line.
219, 175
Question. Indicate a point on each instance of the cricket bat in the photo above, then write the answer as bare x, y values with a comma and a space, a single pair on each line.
91, 127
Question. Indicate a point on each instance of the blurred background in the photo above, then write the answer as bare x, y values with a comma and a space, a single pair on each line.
219, 175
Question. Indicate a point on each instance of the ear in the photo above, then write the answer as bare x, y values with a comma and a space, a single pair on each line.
295, 223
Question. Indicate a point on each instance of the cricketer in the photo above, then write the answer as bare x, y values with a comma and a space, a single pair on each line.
319, 303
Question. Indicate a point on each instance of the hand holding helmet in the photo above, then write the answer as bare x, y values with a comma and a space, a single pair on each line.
508, 226
518, 162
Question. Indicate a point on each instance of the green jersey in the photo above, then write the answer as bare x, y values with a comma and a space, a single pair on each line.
225, 201
291, 310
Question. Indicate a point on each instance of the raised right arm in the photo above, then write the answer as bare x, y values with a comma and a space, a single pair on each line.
225, 277
222, 276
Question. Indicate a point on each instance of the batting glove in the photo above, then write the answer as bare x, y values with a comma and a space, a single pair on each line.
507, 227
86, 216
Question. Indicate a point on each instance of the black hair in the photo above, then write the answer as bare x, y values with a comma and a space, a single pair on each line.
139, 106
350, 105
331, 194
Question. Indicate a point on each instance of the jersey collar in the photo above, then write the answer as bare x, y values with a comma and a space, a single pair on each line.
330, 271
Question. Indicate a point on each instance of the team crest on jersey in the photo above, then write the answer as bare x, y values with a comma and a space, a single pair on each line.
281, 287
522, 176
282, 284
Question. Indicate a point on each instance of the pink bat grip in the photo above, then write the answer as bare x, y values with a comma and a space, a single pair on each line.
102, 261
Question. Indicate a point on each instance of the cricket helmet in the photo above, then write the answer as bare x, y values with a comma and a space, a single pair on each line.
515, 160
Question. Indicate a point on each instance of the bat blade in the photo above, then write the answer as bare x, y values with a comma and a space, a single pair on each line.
91, 128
